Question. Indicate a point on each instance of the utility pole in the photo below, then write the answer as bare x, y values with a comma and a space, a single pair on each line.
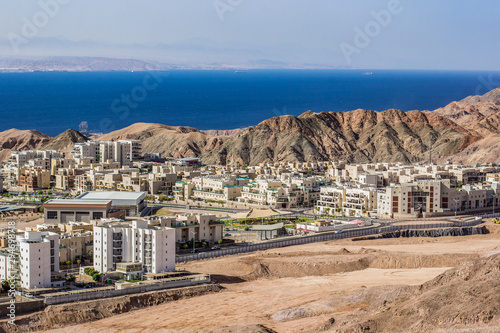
456, 201
194, 233
494, 197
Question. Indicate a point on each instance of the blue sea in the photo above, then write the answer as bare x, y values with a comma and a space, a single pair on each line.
52, 102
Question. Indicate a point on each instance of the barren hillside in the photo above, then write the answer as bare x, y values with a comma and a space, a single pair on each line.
15, 139
446, 284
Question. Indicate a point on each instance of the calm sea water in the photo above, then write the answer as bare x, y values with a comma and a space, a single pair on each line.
55, 101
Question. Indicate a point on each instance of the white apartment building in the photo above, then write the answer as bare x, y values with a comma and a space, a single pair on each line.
20, 158
122, 151
35, 258
89, 149
153, 247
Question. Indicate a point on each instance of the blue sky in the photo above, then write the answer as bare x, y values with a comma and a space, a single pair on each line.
424, 34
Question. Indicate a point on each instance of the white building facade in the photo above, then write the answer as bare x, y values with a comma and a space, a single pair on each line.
154, 247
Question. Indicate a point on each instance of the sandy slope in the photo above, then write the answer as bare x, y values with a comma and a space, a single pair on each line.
300, 288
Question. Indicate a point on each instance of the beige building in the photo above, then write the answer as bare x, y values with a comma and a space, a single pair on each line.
348, 201
76, 246
34, 179
201, 227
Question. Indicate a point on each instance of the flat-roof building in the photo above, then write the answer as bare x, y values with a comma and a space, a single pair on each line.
131, 202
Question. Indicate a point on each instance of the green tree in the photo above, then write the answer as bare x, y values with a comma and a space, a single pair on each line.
5, 286
68, 262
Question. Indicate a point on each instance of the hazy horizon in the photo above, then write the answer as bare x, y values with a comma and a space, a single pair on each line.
449, 35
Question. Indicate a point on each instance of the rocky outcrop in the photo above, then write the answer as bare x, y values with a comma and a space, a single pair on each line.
14, 139
66, 140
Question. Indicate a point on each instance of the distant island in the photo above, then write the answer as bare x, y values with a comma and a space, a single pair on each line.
89, 64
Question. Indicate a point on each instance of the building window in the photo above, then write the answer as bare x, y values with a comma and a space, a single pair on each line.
97, 215
51, 215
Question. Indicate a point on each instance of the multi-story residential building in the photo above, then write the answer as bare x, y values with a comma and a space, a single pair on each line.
75, 246
348, 201
201, 227
34, 179
289, 192
89, 149
183, 190
33, 260
153, 247
122, 151
65, 179
436, 197
21, 158
217, 187
161, 182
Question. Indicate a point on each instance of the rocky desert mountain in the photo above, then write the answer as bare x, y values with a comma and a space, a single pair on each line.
356, 136
66, 140
463, 131
15, 139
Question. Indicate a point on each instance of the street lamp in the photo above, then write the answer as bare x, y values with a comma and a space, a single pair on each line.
71, 258
194, 233
456, 201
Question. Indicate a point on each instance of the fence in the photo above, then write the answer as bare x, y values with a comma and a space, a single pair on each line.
296, 240
112, 291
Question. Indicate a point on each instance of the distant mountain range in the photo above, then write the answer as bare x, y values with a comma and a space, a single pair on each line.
194, 53
466, 131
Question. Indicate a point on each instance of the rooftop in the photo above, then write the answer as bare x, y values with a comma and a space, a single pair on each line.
118, 198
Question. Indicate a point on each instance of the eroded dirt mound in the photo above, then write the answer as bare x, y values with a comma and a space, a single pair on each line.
466, 296
296, 265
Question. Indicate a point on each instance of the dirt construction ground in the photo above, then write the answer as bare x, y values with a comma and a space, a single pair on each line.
335, 286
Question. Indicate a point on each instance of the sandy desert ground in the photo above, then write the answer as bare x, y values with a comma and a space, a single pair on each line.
308, 288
